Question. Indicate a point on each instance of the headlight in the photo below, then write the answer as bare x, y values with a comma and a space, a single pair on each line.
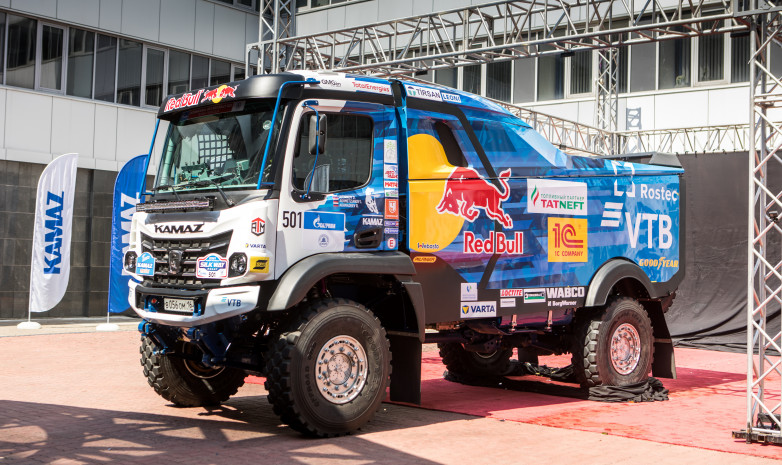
238, 264
130, 262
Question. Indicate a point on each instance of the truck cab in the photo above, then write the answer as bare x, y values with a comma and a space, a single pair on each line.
305, 226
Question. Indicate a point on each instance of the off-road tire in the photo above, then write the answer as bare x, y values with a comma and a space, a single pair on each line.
594, 331
459, 361
292, 366
175, 378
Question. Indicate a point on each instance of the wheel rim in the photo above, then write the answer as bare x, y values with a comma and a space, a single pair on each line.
486, 356
341, 369
625, 349
200, 371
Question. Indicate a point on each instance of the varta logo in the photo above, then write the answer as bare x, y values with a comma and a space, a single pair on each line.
179, 228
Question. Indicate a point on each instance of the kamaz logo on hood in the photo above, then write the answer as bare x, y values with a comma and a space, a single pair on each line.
179, 228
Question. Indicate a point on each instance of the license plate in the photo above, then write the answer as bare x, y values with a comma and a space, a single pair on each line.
178, 305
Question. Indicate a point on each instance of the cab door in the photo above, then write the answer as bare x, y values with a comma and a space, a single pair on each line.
345, 197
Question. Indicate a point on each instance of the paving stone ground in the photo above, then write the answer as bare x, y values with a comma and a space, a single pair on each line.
70, 395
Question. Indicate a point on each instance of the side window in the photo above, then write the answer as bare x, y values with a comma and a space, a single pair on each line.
453, 152
346, 161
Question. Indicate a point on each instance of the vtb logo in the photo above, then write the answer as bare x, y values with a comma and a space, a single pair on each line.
567, 239
466, 191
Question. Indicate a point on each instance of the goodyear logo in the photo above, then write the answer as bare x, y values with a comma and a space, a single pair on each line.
567, 240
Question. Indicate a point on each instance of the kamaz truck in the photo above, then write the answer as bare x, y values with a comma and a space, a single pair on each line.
316, 229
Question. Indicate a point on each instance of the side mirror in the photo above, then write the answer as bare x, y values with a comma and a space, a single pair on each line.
317, 134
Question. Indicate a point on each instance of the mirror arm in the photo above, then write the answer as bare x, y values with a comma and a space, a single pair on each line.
317, 136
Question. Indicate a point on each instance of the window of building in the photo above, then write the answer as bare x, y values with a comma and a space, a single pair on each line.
155, 74
307, 4
178, 72
237, 73
220, 72
253, 4
22, 34
471, 79
642, 67
105, 68
129, 75
346, 160
2, 46
52, 44
447, 77
524, 80
739, 58
200, 72
581, 72
711, 58
81, 54
551, 77
498, 80
623, 61
674, 63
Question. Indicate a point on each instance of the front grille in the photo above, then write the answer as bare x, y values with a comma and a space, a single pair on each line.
191, 249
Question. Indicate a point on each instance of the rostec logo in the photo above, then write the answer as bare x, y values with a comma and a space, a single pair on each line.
612, 213
257, 226
215, 95
567, 240
53, 236
559, 197
479, 309
466, 191
659, 193
179, 228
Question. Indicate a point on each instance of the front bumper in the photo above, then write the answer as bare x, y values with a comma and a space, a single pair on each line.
210, 305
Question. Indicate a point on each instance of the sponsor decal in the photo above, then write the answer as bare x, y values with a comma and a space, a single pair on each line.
332, 83
324, 220
252, 245
257, 226
391, 242
231, 302
259, 264
567, 240
53, 236
469, 291
454, 98
479, 309
497, 243
646, 222
145, 264
612, 213
558, 197
534, 296
392, 223
346, 201
375, 87
390, 184
393, 193
369, 200
323, 240
390, 172
216, 95
212, 266
466, 191
423, 92
391, 231
508, 302
426, 245
615, 166
187, 100
658, 263
179, 228
389, 151
511, 292
372, 221
424, 259
659, 193
392, 209
564, 292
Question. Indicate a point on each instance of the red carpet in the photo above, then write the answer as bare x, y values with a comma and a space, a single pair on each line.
707, 402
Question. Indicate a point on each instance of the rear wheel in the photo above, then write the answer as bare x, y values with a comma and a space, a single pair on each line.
614, 345
462, 362
185, 382
328, 371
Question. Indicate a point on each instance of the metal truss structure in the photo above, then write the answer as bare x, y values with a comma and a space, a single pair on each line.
764, 283
607, 95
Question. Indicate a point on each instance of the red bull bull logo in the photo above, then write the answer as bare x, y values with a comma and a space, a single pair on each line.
466, 191
215, 95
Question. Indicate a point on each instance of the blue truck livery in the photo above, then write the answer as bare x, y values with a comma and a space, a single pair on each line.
306, 226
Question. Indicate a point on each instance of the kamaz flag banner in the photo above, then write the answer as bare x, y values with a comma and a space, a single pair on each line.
126, 196
51, 261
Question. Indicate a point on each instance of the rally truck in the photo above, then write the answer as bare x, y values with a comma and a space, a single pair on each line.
317, 228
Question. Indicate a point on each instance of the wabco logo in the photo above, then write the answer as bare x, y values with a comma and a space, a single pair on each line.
215, 95
179, 228
466, 191
567, 240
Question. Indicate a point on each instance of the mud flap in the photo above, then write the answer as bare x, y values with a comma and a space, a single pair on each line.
664, 364
406, 364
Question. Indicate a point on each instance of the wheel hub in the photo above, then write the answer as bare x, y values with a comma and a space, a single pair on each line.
625, 349
341, 369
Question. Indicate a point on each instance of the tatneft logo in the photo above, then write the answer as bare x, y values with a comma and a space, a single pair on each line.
179, 228
479, 309
567, 240
659, 193
560, 197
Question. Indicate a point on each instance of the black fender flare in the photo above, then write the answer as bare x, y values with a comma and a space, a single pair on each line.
293, 286
611, 273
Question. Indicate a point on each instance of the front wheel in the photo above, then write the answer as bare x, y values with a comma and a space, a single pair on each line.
613, 346
327, 373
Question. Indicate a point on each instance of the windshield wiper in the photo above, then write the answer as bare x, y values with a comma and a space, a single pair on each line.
167, 186
212, 182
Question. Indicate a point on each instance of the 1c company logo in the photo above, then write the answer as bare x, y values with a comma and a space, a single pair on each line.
567, 240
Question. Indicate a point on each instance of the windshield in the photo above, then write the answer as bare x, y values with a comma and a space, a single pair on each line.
219, 146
